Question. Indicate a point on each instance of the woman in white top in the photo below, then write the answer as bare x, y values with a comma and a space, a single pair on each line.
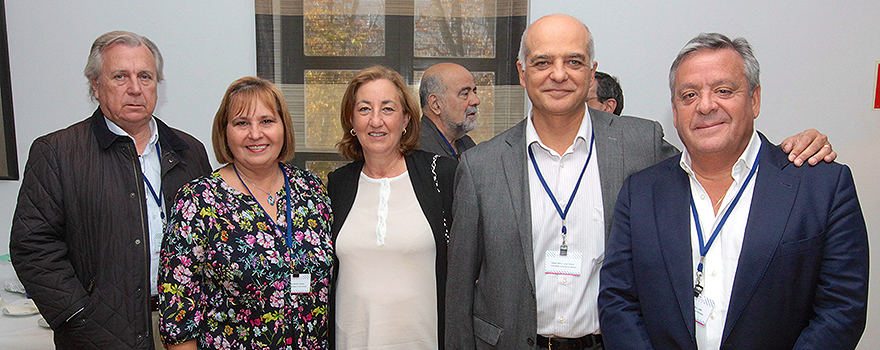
392, 209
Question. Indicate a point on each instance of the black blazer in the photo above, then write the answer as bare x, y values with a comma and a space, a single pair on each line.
342, 187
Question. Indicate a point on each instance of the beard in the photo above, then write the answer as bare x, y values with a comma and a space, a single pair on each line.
467, 125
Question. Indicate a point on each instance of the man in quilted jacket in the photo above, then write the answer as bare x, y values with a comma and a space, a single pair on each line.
91, 210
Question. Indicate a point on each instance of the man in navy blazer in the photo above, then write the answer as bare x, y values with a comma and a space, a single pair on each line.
730, 246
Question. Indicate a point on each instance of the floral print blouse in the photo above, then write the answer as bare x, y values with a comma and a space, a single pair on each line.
225, 271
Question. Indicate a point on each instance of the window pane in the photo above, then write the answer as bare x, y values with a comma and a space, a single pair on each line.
344, 28
323, 167
323, 95
450, 28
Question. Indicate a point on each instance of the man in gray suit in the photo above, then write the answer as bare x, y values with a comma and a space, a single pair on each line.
532, 204
449, 104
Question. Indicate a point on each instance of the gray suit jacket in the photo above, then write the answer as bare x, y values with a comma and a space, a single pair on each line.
432, 142
490, 298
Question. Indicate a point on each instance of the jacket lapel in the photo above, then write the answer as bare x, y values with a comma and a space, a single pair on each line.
426, 191
672, 198
344, 194
771, 207
513, 161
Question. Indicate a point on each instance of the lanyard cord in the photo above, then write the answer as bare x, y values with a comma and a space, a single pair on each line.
448, 144
156, 197
288, 238
704, 247
563, 213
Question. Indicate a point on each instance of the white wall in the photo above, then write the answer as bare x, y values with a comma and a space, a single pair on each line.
818, 61
206, 45
818, 64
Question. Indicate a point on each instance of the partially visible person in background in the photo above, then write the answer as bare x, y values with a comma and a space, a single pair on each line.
449, 109
605, 94
91, 210
247, 258
393, 209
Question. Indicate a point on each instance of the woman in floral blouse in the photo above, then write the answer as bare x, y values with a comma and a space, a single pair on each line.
246, 260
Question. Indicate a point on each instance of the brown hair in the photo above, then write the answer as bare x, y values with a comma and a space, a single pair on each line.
241, 95
349, 146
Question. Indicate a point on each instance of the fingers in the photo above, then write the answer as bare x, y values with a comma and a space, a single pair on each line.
787, 144
825, 153
810, 146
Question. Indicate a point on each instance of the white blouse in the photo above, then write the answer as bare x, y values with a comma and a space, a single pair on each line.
386, 292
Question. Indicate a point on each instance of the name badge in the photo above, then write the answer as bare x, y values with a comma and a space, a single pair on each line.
702, 308
569, 264
301, 283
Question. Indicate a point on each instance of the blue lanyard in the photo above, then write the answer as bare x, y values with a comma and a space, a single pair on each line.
563, 249
288, 238
704, 247
451, 149
156, 197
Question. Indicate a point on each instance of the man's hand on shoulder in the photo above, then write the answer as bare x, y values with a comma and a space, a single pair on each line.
810, 145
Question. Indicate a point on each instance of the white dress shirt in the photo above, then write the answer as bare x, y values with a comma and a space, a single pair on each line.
566, 305
151, 165
719, 266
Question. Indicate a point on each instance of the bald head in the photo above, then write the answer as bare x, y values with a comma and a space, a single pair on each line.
449, 98
557, 23
556, 67
433, 80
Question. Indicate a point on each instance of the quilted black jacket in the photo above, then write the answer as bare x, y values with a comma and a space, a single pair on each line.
79, 237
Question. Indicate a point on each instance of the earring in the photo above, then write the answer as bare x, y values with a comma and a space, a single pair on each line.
404, 131
352, 132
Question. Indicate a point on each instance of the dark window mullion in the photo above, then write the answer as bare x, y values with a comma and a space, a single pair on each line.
292, 54
399, 45
508, 33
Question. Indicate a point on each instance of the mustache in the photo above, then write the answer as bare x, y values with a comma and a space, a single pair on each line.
470, 109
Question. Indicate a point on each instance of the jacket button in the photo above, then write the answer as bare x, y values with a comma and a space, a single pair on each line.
137, 241
530, 341
132, 195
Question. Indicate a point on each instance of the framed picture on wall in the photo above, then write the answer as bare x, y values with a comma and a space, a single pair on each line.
8, 152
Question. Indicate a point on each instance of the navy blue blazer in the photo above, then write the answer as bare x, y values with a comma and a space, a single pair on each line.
802, 276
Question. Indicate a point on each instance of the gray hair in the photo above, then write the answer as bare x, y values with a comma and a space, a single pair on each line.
105, 41
524, 48
716, 41
431, 84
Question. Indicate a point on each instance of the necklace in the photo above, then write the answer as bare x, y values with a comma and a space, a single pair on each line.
271, 199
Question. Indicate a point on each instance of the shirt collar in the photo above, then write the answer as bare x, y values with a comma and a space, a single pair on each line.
742, 166
154, 133
584, 131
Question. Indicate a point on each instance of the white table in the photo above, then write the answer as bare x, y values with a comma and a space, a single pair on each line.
20, 332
